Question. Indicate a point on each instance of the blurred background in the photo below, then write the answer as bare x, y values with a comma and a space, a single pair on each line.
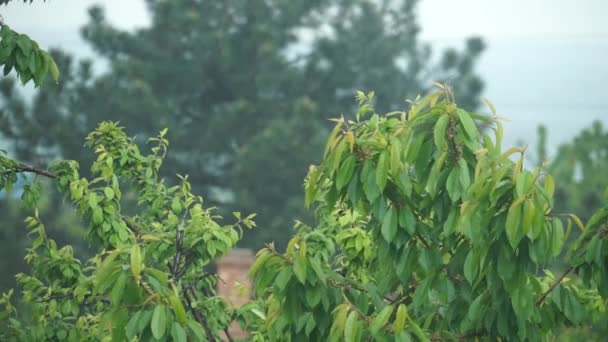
246, 88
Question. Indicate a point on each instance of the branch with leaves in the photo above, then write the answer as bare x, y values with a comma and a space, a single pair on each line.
147, 267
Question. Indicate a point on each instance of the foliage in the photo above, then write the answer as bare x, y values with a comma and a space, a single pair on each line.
426, 230
64, 228
147, 278
429, 231
233, 81
580, 166
21, 53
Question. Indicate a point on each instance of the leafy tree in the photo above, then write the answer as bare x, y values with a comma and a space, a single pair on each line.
428, 230
147, 278
235, 83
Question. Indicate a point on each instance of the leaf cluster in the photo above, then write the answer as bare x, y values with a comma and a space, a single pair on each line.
20, 53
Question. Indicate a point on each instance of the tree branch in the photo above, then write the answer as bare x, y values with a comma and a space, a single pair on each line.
25, 168
197, 314
555, 283
423, 240
472, 335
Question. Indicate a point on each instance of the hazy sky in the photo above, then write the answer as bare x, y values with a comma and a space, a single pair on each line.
546, 59
439, 18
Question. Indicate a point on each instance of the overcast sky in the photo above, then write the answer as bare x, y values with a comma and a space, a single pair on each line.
546, 59
438, 18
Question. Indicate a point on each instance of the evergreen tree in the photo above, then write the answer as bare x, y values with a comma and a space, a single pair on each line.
236, 83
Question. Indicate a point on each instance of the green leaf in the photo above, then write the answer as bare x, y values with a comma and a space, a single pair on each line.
439, 132
418, 332
119, 289
395, 162
465, 177
381, 319
529, 214
160, 276
109, 193
283, 278
431, 185
313, 296
25, 44
382, 171
407, 220
136, 261
474, 315
400, 319
524, 183
178, 308
471, 267
346, 172
389, 224
97, 215
42, 69
7, 68
310, 325
351, 328
453, 184
178, 334
299, 268
260, 260
176, 205
451, 222
468, 124
131, 328
106, 270
557, 237
506, 265
159, 322
197, 331
332, 137
549, 186
337, 154
513, 224
370, 188
315, 264
54, 70
337, 327
32, 64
